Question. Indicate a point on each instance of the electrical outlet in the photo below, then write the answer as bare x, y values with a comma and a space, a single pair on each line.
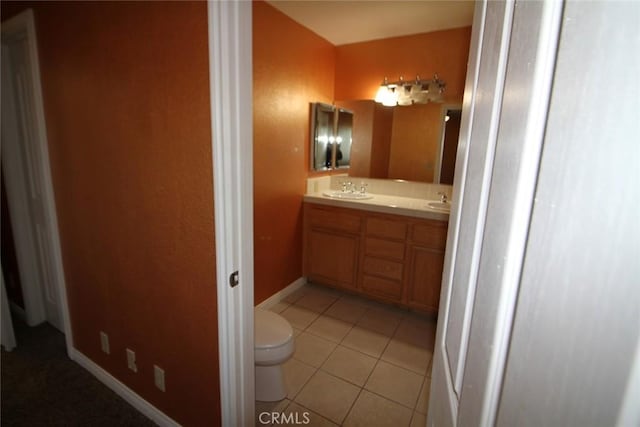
104, 342
158, 377
131, 360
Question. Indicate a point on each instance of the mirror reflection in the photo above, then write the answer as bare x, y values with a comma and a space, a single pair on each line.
448, 149
331, 136
412, 143
344, 129
322, 127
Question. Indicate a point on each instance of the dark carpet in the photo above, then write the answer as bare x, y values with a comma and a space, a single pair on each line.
41, 386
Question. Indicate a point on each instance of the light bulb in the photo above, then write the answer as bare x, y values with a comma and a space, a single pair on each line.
390, 99
404, 97
382, 93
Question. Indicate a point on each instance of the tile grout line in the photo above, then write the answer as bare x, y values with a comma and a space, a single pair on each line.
415, 406
343, 297
320, 367
353, 325
360, 388
379, 359
309, 409
351, 407
385, 397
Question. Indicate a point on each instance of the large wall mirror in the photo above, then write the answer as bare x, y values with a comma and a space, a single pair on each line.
331, 137
415, 143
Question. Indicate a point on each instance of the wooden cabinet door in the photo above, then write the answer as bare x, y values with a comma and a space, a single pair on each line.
425, 277
332, 258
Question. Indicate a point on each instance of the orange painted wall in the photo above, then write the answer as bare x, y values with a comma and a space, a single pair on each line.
126, 99
415, 129
381, 143
361, 67
291, 68
372, 132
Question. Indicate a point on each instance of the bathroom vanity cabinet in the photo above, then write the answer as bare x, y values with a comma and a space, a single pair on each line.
332, 243
392, 258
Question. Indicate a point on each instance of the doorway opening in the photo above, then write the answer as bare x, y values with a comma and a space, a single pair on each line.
446, 157
27, 187
10, 269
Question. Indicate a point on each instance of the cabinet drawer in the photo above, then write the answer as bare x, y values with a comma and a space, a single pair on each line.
384, 248
384, 287
386, 228
333, 220
430, 235
380, 267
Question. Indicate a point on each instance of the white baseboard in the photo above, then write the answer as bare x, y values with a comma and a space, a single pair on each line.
282, 294
146, 408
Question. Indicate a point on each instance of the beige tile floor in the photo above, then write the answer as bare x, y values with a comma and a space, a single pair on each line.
356, 363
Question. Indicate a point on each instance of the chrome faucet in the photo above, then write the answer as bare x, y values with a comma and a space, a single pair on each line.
363, 187
443, 196
347, 186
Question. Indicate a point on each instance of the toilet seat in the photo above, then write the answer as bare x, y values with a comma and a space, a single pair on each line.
273, 338
271, 330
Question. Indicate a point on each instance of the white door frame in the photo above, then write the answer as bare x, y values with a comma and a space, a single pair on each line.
487, 263
231, 82
443, 409
523, 120
23, 25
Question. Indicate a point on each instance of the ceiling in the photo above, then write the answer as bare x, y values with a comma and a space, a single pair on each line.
344, 22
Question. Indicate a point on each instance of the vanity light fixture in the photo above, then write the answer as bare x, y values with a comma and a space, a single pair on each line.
387, 94
418, 91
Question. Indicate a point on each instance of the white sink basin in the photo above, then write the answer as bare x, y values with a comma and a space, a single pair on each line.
439, 206
348, 195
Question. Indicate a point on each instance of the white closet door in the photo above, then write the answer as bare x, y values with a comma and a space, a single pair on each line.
508, 83
577, 325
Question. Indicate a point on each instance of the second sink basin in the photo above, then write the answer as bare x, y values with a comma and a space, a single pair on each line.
440, 206
337, 194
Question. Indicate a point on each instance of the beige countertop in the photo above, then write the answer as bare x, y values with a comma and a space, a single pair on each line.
382, 203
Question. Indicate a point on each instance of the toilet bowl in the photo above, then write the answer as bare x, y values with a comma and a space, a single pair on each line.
273, 346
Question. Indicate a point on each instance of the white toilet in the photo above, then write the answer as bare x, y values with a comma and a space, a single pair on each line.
273, 346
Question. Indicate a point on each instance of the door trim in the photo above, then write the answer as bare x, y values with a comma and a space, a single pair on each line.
24, 24
519, 75
533, 43
444, 406
231, 84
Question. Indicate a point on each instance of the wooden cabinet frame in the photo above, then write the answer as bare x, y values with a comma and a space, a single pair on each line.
391, 258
